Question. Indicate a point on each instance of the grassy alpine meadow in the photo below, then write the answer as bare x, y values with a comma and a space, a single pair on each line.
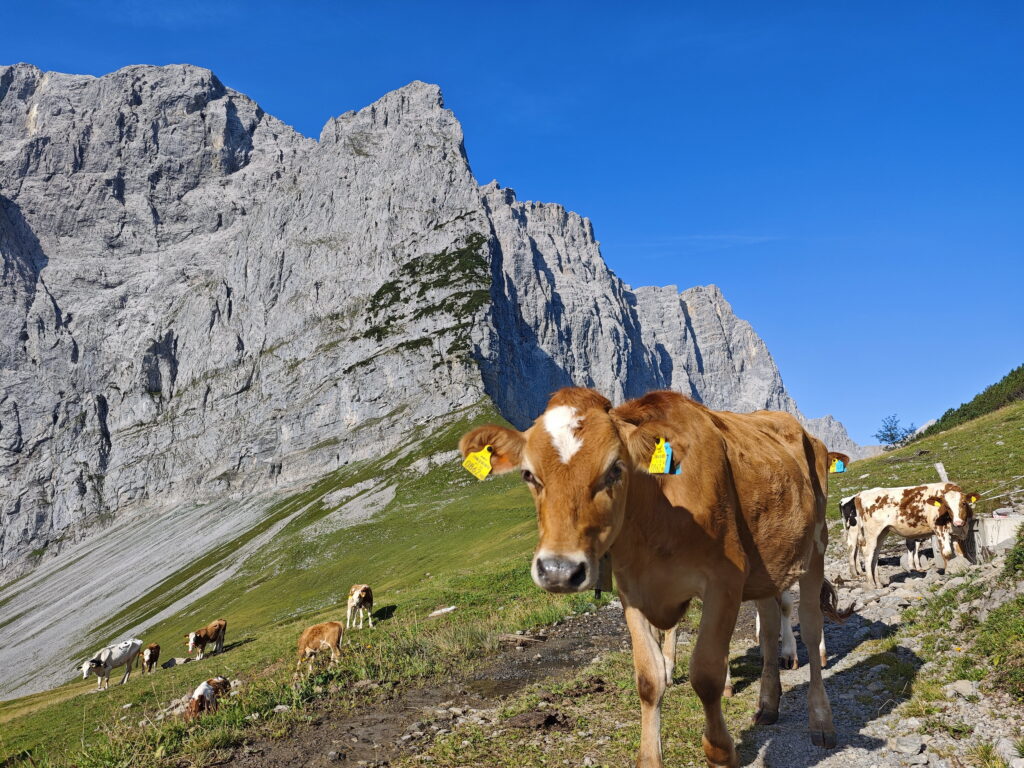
443, 539
440, 538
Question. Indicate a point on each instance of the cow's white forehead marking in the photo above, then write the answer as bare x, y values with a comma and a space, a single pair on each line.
561, 422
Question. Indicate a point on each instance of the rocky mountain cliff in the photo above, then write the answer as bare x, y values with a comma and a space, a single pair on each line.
197, 301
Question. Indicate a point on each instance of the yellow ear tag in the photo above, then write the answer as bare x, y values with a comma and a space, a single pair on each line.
937, 503
479, 462
659, 459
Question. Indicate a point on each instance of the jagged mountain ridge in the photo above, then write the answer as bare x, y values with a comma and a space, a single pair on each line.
197, 301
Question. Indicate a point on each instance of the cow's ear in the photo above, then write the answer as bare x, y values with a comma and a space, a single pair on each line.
935, 501
641, 441
506, 446
971, 497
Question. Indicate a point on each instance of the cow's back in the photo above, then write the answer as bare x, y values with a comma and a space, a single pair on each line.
903, 509
781, 478
756, 483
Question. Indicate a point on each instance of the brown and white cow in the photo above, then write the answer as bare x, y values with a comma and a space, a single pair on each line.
942, 510
205, 696
360, 601
320, 637
743, 520
150, 656
213, 632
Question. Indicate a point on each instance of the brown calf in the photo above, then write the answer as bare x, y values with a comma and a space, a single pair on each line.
150, 656
213, 632
743, 520
319, 637
204, 698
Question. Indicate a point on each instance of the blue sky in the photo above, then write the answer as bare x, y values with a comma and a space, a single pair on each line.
851, 174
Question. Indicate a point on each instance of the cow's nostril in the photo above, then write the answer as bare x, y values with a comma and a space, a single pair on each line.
541, 570
579, 575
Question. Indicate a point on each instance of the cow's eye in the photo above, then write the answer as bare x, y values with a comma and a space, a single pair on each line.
613, 475
529, 477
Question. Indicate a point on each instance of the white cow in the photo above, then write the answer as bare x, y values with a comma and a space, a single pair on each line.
111, 657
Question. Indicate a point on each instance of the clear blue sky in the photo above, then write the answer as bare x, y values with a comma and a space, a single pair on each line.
851, 174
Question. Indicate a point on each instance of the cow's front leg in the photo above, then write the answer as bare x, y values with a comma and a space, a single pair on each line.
853, 553
708, 667
771, 617
649, 663
871, 544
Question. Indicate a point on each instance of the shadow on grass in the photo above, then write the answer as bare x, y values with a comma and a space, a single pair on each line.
237, 644
385, 613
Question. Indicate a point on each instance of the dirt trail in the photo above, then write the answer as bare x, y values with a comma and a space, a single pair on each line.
374, 735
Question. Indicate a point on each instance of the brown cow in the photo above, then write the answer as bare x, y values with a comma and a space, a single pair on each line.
150, 656
204, 698
212, 633
319, 637
743, 520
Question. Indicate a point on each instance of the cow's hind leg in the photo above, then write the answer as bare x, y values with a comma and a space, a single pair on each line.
823, 732
708, 666
649, 664
668, 650
771, 688
790, 658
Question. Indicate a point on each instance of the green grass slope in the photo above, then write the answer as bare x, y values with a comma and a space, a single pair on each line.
1007, 390
985, 455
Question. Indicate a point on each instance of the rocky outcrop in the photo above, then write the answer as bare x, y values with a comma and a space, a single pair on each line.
197, 301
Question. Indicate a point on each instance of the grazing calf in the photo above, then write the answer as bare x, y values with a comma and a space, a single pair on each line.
360, 601
737, 513
204, 698
320, 637
150, 656
109, 658
212, 633
933, 509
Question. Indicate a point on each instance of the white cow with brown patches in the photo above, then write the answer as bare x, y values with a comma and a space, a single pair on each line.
942, 510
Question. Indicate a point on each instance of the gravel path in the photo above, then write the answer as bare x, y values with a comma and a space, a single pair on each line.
866, 694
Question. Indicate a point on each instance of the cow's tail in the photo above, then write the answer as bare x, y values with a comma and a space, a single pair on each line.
830, 603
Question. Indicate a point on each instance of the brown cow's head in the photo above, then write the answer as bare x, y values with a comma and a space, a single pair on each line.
576, 463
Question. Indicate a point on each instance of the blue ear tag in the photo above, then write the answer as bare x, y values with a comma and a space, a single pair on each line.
668, 462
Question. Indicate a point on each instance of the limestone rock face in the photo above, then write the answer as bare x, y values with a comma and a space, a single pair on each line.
197, 301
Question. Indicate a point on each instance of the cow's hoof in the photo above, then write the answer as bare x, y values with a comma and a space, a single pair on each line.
824, 661
824, 739
790, 662
727, 692
766, 717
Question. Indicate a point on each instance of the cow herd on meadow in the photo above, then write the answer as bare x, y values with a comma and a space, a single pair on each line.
312, 641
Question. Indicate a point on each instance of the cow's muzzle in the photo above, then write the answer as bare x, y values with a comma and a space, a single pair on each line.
562, 573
